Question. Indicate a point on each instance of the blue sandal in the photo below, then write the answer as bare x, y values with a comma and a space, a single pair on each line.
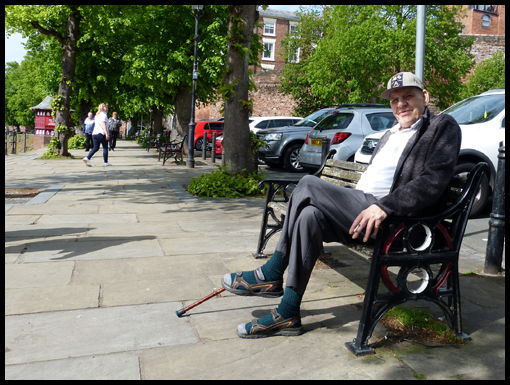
289, 327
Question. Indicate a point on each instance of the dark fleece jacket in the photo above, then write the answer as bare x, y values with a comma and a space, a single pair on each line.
425, 167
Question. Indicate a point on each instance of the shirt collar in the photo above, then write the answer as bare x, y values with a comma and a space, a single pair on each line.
414, 127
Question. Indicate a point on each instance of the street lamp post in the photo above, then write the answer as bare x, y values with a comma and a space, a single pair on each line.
190, 162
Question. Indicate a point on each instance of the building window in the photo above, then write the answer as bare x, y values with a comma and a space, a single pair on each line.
486, 22
269, 27
294, 57
269, 48
485, 8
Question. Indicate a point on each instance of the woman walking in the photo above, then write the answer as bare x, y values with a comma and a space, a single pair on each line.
100, 135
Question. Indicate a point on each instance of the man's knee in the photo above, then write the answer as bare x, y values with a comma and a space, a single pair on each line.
310, 218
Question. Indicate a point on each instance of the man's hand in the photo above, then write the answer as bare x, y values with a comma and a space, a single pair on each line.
369, 219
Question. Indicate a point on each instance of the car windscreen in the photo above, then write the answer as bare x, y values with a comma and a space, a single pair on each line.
478, 109
313, 119
336, 121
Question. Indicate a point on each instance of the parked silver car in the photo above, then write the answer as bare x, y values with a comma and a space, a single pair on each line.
283, 143
346, 128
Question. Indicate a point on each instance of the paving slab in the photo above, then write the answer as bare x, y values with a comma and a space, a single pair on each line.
85, 332
59, 210
204, 243
107, 247
120, 366
38, 275
149, 268
155, 291
48, 299
86, 219
41, 231
163, 229
290, 358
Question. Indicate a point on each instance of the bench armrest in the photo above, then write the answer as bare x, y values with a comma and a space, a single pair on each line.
275, 186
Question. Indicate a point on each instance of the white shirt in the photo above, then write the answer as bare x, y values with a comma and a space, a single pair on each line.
98, 127
378, 177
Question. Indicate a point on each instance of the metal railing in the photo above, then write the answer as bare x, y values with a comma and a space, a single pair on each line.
16, 142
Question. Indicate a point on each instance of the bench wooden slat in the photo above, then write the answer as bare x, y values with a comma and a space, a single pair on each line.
338, 173
339, 182
346, 165
279, 207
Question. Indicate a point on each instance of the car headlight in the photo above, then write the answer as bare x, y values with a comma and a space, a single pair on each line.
272, 137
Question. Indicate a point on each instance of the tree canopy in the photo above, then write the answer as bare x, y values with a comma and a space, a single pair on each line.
348, 53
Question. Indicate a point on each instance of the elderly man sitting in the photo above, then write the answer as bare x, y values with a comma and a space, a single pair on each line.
409, 170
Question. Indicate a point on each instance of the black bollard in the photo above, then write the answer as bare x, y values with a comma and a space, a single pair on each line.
204, 146
495, 244
213, 151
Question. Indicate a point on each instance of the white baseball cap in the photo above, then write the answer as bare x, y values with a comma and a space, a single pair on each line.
402, 79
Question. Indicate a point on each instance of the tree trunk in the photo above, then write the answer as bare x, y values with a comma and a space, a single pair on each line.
237, 139
157, 116
182, 115
63, 116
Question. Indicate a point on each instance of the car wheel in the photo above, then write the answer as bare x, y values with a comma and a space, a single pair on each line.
482, 196
291, 158
199, 145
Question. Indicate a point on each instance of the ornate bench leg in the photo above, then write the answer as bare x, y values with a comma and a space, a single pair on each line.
263, 236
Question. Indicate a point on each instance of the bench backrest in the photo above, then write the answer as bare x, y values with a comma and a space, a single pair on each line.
342, 173
348, 174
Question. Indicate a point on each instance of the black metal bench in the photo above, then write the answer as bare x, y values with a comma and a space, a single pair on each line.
154, 142
172, 149
424, 250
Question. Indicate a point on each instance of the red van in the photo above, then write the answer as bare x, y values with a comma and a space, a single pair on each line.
208, 126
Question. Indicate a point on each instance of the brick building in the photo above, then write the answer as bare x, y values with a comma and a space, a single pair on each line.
275, 25
267, 99
484, 20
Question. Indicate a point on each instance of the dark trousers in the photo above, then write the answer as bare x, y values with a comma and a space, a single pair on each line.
88, 142
98, 140
318, 211
113, 139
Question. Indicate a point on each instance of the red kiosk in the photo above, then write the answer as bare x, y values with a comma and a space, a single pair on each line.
44, 123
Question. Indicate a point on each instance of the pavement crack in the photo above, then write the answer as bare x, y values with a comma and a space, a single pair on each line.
100, 296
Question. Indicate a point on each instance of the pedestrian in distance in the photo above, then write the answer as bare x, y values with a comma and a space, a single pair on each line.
100, 135
88, 128
114, 128
409, 170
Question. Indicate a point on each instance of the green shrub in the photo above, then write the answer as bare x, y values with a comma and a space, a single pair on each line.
76, 142
220, 184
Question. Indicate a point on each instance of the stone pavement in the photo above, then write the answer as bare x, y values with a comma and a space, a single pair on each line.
97, 265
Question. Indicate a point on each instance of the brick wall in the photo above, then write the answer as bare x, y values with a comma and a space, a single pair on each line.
267, 99
486, 45
41, 141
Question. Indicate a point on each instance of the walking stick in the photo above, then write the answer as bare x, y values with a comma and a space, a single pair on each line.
182, 311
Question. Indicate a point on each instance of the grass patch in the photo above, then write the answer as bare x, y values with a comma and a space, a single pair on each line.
417, 325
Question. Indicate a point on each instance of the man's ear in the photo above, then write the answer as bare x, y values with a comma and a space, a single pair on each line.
426, 97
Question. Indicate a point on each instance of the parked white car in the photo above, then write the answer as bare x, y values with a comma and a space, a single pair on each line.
262, 122
482, 121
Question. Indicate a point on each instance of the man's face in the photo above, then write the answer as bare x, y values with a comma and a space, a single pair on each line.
408, 104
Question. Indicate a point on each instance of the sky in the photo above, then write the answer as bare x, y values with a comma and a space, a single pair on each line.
14, 50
